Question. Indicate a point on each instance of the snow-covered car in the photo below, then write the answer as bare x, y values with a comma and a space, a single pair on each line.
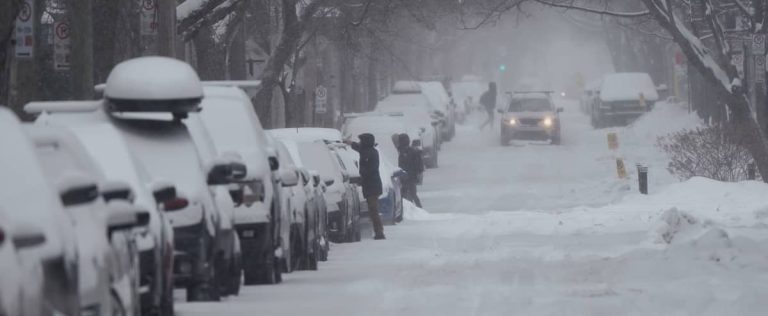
443, 105
343, 214
531, 116
228, 256
383, 126
414, 107
234, 126
147, 99
108, 270
106, 145
34, 215
623, 97
299, 226
315, 194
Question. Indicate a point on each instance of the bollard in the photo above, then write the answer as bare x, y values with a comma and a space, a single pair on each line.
642, 178
751, 171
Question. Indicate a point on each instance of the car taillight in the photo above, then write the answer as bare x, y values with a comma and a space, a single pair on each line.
175, 204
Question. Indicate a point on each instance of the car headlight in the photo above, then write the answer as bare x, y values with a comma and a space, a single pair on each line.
512, 121
548, 122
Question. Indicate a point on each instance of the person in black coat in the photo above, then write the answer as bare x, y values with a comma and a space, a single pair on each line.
371, 180
410, 160
488, 101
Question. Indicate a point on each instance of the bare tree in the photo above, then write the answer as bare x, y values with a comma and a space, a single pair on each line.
8, 11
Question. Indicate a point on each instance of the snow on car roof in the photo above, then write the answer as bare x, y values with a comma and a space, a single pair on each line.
406, 87
628, 86
396, 102
436, 94
307, 134
530, 95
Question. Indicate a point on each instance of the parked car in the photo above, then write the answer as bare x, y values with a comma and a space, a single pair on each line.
301, 228
343, 214
383, 126
443, 105
531, 116
623, 97
38, 250
416, 115
106, 145
228, 256
316, 195
147, 99
108, 257
228, 115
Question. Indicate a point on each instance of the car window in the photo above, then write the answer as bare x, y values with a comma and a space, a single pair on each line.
530, 105
318, 157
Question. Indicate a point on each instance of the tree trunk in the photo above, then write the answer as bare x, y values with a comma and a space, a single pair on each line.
270, 77
8, 12
736, 99
81, 23
166, 28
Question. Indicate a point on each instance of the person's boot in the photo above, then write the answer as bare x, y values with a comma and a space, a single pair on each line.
379, 237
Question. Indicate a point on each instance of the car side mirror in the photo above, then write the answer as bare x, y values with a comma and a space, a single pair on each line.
116, 190
125, 216
274, 164
163, 191
356, 180
27, 236
560, 110
226, 173
289, 177
399, 173
77, 190
329, 182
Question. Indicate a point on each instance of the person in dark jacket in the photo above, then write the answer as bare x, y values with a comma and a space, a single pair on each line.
371, 180
488, 101
410, 160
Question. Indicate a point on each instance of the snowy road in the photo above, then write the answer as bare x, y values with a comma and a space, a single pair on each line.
534, 229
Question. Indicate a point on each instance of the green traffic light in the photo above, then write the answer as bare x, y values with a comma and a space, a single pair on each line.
503, 67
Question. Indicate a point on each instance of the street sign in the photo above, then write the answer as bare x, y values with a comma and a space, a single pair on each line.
760, 68
758, 44
61, 45
737, 59
148, 17
321, 100
25, 31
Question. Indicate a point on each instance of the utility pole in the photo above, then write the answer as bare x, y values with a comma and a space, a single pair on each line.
166, 28
80, 14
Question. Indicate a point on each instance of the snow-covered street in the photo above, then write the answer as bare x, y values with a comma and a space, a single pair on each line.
533, 229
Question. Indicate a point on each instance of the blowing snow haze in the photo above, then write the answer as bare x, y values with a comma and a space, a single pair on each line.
369, 157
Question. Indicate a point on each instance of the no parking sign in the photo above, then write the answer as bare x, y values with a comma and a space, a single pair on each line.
61, 45
25, 31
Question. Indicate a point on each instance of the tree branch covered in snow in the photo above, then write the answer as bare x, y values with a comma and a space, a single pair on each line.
188, 27
571, 5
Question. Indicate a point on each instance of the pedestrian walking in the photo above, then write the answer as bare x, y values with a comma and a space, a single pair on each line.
371, 180
488, 101
410, 160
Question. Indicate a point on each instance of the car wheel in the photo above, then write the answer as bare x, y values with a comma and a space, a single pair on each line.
236, 270
262, 272
117, 305
206, 290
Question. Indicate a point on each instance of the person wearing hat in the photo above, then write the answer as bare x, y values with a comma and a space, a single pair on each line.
371, 180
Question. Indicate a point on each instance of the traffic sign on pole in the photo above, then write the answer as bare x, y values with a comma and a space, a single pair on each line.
149, 17
61, 45
321, 100
25, 31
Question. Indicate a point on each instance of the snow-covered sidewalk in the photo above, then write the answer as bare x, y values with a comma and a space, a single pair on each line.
534, 229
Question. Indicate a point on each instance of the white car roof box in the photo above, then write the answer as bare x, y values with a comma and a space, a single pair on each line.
153, 84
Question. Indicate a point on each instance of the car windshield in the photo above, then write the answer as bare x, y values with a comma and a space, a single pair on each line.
530, 105
317, 156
